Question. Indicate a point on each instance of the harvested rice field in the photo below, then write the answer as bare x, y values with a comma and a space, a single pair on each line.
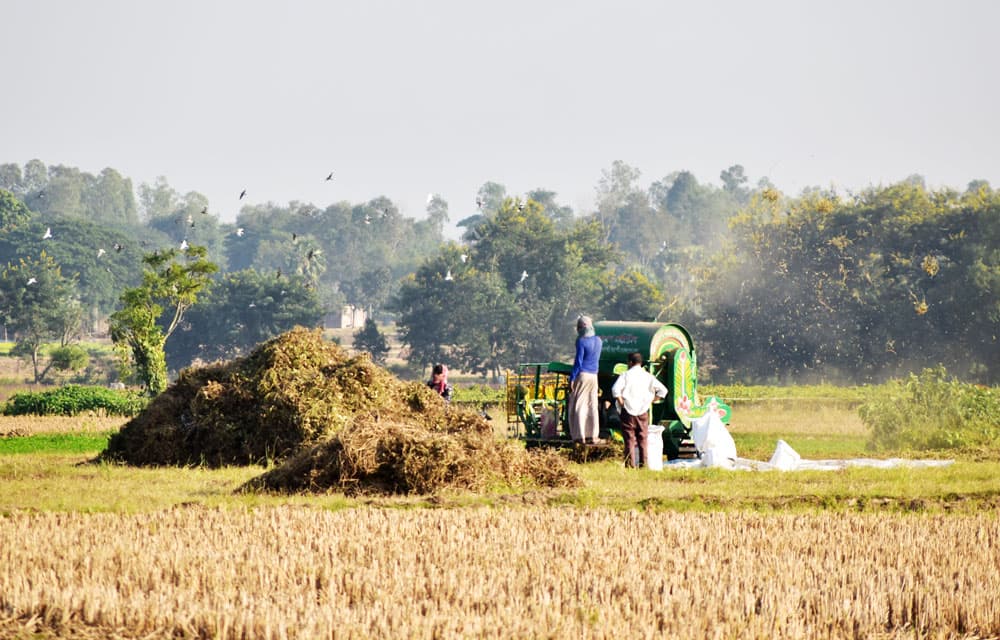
299, 572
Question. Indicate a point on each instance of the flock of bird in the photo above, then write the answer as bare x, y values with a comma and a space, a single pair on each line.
240, 231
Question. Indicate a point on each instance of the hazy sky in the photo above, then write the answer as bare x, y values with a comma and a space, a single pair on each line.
406, 98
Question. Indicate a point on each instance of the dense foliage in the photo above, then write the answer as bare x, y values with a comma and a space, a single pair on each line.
152, 311
238, 311
74, 400
933, 411
821, 287
857, 289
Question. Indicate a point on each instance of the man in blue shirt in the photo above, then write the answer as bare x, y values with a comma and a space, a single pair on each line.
584, 419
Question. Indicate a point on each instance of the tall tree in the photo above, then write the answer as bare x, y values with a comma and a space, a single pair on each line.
12, 211
371, 340
171, 283
38, 306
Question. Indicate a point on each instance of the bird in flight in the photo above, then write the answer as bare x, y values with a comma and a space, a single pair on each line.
32, 280
330, 177
243, 193
47, 234
524, 276
239, 232
448, 277
101, 252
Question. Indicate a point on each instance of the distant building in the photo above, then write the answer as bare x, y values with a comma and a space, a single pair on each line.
349, 317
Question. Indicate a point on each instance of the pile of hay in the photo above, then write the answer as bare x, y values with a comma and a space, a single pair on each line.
330, 421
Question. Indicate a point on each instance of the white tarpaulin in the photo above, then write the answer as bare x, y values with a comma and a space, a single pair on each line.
717, 449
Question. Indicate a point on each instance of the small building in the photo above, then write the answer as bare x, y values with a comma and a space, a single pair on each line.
348, 317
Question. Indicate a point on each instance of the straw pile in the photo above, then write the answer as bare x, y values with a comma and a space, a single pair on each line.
329, 421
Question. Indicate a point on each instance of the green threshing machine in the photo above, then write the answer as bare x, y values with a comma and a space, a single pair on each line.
537, 393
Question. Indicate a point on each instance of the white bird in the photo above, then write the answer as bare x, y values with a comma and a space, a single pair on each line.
239, 232
430, 198
190, 219
464, 257
253, 304
32, 280
368, 219
48, 233
448, 277
184, 245
100, 252
524, 276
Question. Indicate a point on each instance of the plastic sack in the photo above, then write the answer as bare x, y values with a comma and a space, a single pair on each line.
713, 441
785, 458
548, 424
654, 447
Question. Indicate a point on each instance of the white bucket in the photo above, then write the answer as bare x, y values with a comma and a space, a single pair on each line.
654, 448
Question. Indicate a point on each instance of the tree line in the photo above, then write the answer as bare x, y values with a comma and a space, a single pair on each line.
825, 285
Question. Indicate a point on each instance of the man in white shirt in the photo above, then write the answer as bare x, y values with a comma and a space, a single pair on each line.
634, 391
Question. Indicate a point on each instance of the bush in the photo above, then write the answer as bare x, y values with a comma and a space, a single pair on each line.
72, 357
931, 411
73, 400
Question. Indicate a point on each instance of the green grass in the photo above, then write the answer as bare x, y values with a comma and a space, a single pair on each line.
964, 486
55, 472
760, 446
64, 443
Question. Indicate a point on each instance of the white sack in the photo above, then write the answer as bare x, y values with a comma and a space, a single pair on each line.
713, 441
785, 458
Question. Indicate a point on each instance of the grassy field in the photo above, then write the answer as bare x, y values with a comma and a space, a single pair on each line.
98, 550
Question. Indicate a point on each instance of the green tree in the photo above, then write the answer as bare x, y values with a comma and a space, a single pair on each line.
11, 179
38, 306
370, 339
157, 200
511, 296
109, 199
239, 311
631, 296
12, 211
734, 183
561, 215
171, 283
102, 260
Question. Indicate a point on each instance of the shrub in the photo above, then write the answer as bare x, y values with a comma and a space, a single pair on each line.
72, 400
72, 357
932, 411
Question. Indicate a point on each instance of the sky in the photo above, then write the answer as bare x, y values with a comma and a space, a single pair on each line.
404, 98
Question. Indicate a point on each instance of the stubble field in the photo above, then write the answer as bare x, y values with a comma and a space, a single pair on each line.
107, 551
